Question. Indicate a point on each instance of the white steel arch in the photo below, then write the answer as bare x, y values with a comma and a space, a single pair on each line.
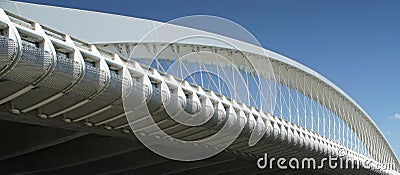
299, 87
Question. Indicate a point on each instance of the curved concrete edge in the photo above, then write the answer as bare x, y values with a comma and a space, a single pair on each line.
82, 23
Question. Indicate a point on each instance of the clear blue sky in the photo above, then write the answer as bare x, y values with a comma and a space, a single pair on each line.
355, 44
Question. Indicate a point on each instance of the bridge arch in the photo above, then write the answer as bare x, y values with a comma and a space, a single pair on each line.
307, 104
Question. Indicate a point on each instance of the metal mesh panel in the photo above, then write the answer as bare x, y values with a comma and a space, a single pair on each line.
113, 91
155, 101
67, 71
34, 63
8, 50
92, 82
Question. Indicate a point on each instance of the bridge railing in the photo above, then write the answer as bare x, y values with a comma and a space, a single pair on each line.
304, 105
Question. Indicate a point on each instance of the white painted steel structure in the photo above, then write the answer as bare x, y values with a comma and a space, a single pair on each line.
307, 110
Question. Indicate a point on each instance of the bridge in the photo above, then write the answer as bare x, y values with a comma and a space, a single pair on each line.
92, 93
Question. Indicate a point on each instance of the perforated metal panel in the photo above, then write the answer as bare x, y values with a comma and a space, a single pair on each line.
8, 50
67, 71
113, 91
92, 82
33, 64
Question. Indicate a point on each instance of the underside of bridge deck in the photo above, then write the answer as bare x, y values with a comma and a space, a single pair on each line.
31, 145
68, 106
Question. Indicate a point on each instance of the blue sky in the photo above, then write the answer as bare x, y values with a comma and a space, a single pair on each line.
355, 44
